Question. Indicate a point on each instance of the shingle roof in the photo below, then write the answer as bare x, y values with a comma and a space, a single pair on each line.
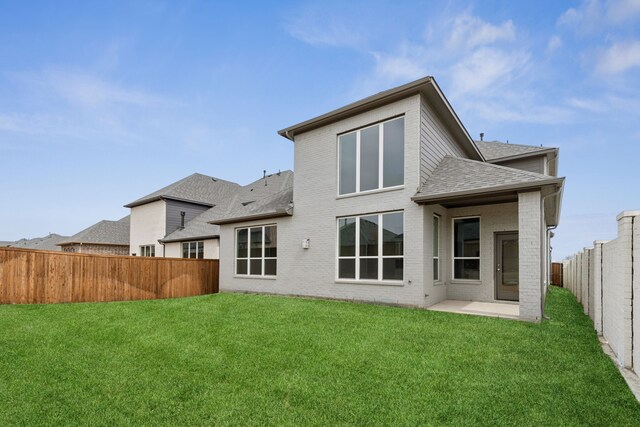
5, 243
196, 188
279, 204
455, 175
47, 243
492, 150
104, 232
255, 198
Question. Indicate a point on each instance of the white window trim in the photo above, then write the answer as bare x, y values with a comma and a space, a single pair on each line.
380, 159
249, 258
357, 256
149, 247
193, 242
438, 278
453, 250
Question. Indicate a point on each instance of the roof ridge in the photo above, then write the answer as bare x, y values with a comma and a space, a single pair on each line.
542, 147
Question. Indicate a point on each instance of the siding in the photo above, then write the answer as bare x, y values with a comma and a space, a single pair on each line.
174, 208
531, 164
436, 141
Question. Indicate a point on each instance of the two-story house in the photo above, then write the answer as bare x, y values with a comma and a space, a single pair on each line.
394, 202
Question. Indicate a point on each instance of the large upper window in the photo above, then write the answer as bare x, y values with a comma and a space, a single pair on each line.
256, 251
193, 250
372, 158
466, 248
371, 247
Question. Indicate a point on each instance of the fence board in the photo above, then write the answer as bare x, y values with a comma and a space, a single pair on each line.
42, 277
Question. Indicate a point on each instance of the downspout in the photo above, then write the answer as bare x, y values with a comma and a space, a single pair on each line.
633, 220
163, 248
547, 231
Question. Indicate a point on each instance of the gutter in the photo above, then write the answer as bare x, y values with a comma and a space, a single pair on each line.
276, 214
541, 152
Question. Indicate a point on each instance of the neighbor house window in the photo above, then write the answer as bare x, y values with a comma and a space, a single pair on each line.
372, 158
466, 248
371, 247
148, 250
193, 250
436, 248
256, 251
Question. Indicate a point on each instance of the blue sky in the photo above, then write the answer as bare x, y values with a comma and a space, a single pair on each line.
103, 103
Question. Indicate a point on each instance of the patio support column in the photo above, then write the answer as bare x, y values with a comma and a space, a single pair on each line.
530, 249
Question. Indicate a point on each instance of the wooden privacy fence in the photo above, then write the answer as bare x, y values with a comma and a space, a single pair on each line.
556, 273
42, 277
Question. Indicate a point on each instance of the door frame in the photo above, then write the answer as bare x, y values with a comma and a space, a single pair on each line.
496, 257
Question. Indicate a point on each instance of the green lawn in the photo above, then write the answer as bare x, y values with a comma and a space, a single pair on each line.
247, 359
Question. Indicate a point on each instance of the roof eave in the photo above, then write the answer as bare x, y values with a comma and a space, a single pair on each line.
155, 199
91, 243
541, 152
266, 215
188, 239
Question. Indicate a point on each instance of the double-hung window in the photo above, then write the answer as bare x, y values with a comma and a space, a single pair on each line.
436, 248
148, 250
466, 248
193, 250
256, 251
371, 158
371, 247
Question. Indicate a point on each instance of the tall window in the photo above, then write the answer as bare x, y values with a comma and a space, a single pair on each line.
256, 251
148, 250
372, 158
436, 248
371, 247
466, 248
193, 250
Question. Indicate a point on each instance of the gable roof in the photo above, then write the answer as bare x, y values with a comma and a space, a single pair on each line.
494, 150
425, 86
275, 205
196, 188
46, 243
261, 197
456, 178
104, 233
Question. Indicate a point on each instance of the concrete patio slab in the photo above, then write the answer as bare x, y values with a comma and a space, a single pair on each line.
491, 309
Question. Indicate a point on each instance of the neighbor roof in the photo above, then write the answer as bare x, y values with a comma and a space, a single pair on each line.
103, 233
196, 188
261, 197
47, 243
456, 177
426, 86
494, 150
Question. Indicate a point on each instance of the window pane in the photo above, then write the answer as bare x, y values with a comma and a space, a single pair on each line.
153, 250
255, 267
392, 268
467, 237
185, 250
270, 242
436, 236
369, 156
347, 269
369, 268
193, 250
468, 269
241, 266
393, 168
436, 269
347, 147
270, 266
369, 235
242, 243
200, 250
393, 233
347, 232
256, 243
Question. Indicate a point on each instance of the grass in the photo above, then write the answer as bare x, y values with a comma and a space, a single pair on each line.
255, 360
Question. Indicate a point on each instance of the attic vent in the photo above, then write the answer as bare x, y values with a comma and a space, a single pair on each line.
247, 203
214, 180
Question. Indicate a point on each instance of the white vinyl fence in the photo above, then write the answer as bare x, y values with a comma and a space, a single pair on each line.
606, 281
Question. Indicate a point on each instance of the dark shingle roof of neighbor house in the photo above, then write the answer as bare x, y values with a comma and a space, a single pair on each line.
493, 150
265, 196
4, 243
458, 177
104, 232
196, 188
46, 243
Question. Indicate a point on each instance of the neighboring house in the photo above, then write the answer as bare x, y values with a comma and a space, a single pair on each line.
105, 238
200, 239
394, 202
47, 243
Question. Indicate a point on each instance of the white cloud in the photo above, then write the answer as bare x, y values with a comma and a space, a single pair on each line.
618, 58
593, 105
470, 31
595, 16
322, 27
555, 43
